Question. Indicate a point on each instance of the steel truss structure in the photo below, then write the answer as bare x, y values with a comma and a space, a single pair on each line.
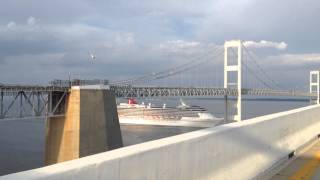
31, 101
133, 91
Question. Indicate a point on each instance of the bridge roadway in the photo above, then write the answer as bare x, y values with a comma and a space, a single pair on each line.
155, 91
149, 91
305, 166
12, 89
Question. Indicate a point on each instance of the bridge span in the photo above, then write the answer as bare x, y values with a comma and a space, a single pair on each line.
50, 100
156, 91
40, 101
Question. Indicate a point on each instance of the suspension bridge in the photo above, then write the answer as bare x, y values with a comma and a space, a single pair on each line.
188, 79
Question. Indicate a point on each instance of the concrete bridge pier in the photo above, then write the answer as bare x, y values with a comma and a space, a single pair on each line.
90, 125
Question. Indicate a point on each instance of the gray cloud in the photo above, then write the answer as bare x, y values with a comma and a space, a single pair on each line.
266, 44
42, 40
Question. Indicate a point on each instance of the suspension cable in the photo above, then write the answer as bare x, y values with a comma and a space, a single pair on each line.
251, 56
251, 71
167, 73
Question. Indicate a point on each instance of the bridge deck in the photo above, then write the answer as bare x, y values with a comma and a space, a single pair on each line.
31, 88
149, 91
305, 166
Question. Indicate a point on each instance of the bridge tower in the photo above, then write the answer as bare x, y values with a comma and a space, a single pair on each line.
232, 71
315, 85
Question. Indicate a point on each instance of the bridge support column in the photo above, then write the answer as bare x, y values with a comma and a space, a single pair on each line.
226, 108
230, 67
1, 104
90, 125
315, 85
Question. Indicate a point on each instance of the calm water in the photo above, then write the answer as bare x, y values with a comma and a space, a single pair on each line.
22, 141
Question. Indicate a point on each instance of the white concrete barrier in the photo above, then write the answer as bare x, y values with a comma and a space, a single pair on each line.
233, 151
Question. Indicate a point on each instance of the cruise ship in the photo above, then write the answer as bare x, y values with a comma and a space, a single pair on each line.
133, 110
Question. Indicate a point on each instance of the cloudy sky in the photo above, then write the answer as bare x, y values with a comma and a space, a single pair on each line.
45, 40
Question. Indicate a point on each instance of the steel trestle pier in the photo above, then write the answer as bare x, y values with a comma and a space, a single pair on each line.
18, 101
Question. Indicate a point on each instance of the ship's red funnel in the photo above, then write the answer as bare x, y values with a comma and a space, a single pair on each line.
132, 101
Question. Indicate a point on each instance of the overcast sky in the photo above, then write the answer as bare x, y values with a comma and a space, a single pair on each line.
45, 40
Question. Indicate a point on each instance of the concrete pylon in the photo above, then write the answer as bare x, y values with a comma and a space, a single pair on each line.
90, 125
237, 68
